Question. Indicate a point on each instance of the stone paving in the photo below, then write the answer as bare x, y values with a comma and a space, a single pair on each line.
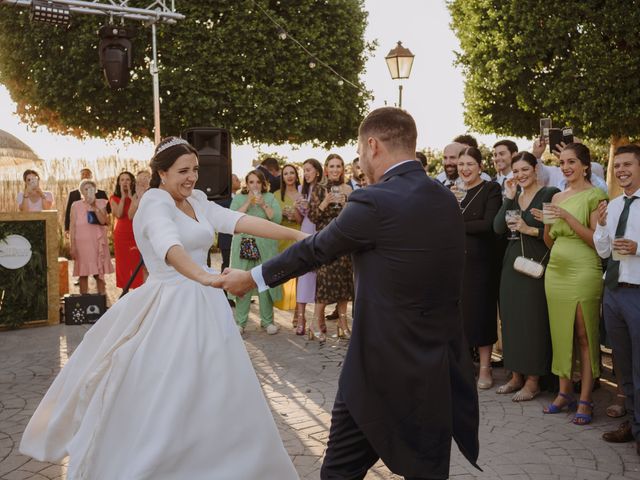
299, 378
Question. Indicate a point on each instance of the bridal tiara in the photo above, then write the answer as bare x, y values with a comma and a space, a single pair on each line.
172, 143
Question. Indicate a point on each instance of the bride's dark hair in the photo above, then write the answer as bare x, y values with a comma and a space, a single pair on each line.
165, 157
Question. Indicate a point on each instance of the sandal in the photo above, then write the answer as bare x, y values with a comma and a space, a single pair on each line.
485, 384
552, 408
508, 388
524, 395
616, 410
584, 418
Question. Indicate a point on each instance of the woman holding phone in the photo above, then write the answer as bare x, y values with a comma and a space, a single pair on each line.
88, 237
33, 199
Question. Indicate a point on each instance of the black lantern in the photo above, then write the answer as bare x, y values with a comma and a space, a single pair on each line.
400, 60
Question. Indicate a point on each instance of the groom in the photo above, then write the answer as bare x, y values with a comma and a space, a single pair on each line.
407, 384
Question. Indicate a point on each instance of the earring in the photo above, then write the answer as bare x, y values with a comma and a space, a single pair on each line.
163, 182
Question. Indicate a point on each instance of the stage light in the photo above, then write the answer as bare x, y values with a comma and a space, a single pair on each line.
116, 54
50, 12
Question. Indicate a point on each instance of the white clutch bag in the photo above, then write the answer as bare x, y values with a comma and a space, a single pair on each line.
528, 267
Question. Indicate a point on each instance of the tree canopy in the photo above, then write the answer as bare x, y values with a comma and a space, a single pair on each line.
576, 61
224, 65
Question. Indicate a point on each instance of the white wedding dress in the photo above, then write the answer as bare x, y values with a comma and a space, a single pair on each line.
161, 387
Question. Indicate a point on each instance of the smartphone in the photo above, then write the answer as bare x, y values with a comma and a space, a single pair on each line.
567, 135
555, 137
33, 182
545, 125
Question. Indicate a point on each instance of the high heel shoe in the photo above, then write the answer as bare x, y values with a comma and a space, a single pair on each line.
552, 408
343, 327
583, 418
484, 384
316, 334
300, 329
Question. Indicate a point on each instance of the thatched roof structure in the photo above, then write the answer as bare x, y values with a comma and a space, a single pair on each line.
14, 152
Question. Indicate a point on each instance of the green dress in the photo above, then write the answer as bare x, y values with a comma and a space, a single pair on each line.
268, 248
526, 342
574, 277
288, 301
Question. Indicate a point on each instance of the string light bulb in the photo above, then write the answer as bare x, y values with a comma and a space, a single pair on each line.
312, 64
282, 34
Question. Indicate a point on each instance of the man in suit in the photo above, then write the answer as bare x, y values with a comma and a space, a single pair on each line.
503, 153
271, 170
85, 174
407, 384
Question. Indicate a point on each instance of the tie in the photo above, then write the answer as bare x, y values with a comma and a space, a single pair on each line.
613, 266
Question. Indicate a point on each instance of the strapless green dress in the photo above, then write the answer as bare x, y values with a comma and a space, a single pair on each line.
574, 277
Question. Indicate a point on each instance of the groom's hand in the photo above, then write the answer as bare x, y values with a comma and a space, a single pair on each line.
237, 282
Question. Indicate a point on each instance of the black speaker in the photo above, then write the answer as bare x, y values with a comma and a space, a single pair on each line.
214, 150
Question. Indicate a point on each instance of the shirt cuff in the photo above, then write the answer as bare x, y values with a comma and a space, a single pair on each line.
256, 274
601, 241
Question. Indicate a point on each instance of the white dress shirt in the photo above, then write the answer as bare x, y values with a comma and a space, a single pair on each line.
500, 178
552, 176
603, 237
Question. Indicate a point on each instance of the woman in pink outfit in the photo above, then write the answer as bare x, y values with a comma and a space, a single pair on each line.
88, 236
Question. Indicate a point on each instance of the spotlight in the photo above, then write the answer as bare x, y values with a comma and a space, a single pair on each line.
115, 54
50, 12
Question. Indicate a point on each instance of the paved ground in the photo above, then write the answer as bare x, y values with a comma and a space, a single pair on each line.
299, 379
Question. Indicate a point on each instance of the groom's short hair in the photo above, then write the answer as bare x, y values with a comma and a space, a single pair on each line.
392, 126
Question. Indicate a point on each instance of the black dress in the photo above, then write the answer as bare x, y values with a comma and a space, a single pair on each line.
482, 264
526, 342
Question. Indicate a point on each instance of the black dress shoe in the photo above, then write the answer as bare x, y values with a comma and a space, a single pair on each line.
621, 435
332, 316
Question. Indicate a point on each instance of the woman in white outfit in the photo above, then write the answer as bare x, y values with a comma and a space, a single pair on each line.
162, 387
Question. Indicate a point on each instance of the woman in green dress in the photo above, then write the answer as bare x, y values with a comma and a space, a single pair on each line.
291, 217
526, 342
248, 251
573, 281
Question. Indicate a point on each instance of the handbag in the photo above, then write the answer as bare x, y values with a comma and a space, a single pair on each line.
249, 249
528, 266
92, 218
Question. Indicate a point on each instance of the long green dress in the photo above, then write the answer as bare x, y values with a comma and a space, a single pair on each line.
526, 341
574, 277
268, 248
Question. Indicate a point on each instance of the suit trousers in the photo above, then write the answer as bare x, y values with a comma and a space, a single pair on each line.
349, 454
243, 304
622, 319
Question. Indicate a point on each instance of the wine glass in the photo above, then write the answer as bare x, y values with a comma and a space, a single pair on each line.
512, 217
459, 190
335, 190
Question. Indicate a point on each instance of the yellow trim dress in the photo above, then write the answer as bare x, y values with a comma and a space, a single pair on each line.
288, 301
574, 277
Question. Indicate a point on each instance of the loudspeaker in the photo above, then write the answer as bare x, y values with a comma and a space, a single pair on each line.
214, 150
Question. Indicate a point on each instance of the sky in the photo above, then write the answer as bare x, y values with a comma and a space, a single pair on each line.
433, 94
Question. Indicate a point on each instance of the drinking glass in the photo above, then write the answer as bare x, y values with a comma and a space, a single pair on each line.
256, 195
615, 255
459, 190
512, 216
335, 190
548, 218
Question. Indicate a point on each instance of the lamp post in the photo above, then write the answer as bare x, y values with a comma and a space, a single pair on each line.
399, 60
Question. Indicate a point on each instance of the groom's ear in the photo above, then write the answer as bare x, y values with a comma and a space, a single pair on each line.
374, 145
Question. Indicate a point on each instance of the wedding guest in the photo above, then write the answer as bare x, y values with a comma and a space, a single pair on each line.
334, 282
88, 237
248, 251
616, 237
422, 158
526, 342
85, 174
573, 281
287, 197
482, 265
306, 285
503, 152
33, 198
143, 178
270, 168
450, 155
356, 171
124, 244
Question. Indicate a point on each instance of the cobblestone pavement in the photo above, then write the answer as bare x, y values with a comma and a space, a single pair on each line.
299, 378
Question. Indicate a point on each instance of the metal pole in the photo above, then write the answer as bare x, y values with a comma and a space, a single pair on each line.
400, 96
156, 87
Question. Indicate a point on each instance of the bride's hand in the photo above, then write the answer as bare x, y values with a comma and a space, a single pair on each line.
211, 280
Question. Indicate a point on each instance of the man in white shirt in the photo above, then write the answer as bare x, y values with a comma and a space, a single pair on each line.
616, 237
503, 152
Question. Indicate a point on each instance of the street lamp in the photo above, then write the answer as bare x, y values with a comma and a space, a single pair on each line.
399, 60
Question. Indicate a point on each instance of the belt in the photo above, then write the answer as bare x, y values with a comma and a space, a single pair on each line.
627, 285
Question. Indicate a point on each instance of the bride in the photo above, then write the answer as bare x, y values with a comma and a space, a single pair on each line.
162, 387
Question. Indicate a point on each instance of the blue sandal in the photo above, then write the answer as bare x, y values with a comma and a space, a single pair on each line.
553, 408
584, 418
